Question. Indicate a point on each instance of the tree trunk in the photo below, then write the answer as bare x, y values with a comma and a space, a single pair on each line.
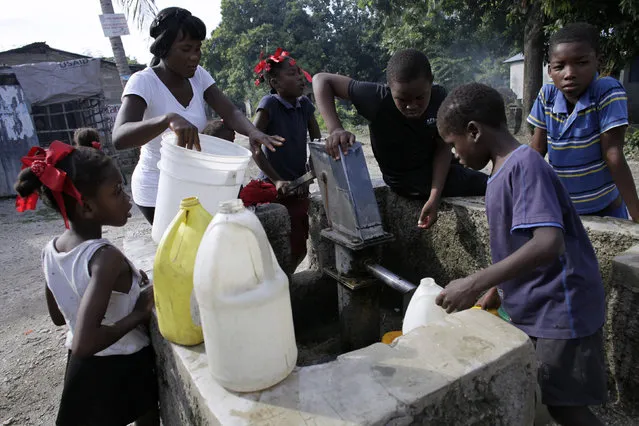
533, 55
121, 63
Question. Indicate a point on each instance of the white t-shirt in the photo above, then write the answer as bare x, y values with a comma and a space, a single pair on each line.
160, 101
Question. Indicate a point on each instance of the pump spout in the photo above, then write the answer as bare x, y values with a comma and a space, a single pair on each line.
390, 279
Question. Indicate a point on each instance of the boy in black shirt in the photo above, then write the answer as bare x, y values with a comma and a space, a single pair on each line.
414, 160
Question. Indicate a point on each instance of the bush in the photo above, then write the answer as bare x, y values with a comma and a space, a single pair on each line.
347, 113
631, 148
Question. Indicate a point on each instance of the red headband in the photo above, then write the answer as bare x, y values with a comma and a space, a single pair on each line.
42, 163
280, 55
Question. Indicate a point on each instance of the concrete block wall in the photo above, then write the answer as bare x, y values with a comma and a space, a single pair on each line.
471, 369
458, 245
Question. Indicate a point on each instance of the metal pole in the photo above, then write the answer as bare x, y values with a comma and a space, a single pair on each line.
390, 279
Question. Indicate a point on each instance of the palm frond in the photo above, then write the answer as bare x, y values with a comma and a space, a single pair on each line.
141, 12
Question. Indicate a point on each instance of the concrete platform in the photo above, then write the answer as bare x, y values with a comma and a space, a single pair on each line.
471, 369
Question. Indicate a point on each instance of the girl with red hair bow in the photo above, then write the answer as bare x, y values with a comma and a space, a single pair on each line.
290, 114
93, 288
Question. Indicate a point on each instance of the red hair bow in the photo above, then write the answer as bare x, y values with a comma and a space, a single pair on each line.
280, 55
42, 163
96, 145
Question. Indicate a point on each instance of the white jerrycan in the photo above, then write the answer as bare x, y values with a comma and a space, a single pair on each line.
422, 308
244, 303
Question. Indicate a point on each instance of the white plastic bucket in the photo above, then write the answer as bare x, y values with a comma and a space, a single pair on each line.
213, 175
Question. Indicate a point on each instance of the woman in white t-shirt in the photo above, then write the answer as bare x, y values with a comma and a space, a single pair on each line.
172, 93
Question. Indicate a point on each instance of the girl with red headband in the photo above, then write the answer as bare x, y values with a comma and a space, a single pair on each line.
286, 112
93, 288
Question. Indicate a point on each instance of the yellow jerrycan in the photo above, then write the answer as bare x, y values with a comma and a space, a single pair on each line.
175, 304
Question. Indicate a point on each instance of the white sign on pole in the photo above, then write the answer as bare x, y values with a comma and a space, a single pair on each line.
114, 25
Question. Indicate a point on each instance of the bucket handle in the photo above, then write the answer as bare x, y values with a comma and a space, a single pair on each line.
249, 220
172, 229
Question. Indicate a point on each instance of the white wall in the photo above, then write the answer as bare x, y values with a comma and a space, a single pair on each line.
517, 77
632, 89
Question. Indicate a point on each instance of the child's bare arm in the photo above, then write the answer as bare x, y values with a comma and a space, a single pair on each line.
546, 244
91, 336
54, 311
441, 166
261, 122
539, 141
612, 150
326, 88
314, 129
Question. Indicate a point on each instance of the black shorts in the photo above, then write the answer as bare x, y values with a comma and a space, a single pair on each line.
108, 390
572, 372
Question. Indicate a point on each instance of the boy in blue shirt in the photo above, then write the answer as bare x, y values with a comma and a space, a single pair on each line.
544, 266
581, 122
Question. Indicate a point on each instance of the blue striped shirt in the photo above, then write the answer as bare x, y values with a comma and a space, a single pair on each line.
574, 147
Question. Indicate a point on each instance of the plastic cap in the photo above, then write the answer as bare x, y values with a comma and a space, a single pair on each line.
231, 206
189, 202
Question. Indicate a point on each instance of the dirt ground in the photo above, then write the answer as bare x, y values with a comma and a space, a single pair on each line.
32, 355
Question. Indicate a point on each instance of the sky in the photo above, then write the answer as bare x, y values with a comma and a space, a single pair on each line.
74, 25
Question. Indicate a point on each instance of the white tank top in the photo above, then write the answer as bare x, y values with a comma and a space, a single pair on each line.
67, 276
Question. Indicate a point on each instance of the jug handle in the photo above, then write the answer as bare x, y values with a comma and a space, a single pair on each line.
172, 229
253, 225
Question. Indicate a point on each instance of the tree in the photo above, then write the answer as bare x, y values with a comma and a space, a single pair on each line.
453, 29
322, 35
137, 10
462, 39
617, 21
129, 60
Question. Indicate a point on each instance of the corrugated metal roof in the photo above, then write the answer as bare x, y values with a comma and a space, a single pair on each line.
517, 58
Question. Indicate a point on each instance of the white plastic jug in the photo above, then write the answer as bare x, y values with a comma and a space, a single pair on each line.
244, 302
422, 308
212, 175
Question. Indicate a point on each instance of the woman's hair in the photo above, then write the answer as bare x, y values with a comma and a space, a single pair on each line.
167, 25
85, 136
86, 167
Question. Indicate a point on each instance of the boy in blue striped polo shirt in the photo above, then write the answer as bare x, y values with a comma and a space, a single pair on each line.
581, 122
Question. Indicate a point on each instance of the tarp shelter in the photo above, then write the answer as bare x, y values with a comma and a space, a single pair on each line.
51, 99
47, 83
17, 132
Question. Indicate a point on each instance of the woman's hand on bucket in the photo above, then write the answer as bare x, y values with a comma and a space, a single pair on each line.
257, 139
187, 133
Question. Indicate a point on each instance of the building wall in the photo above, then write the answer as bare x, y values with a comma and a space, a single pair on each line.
630, 80
517, 78
110, 82
109, 76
